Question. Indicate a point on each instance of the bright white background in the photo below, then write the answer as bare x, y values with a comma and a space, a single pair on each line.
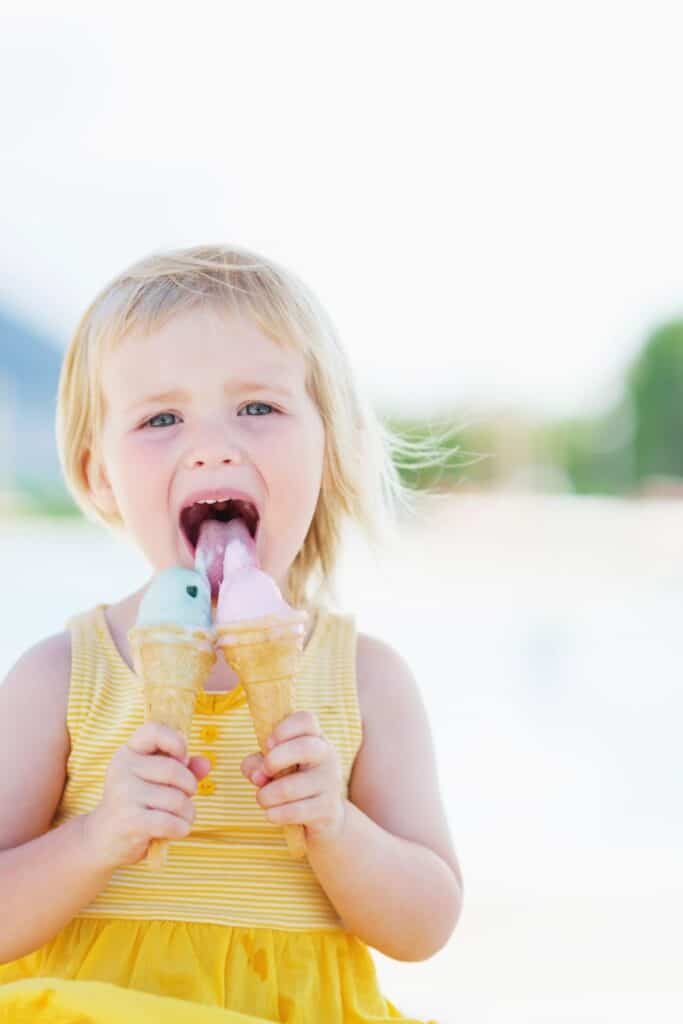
487, 196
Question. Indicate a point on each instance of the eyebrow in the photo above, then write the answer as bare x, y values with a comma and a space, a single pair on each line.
232, 385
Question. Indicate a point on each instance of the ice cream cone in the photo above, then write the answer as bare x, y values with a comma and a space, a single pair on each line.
266, 653
174, 662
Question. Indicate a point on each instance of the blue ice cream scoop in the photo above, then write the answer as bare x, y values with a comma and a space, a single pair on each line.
178, 595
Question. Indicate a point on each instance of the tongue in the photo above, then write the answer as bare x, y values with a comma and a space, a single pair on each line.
214, 537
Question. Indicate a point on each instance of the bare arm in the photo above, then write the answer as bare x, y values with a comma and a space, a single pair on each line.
46, 877
391, 872
43, 885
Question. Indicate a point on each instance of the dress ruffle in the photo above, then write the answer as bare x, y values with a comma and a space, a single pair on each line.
113, 971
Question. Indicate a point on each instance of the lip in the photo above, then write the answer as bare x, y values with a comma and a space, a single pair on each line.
217, 494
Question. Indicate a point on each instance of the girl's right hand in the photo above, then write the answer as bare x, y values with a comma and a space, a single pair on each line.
147, 795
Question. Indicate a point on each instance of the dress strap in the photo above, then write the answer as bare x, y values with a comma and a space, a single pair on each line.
328, 686
84, 669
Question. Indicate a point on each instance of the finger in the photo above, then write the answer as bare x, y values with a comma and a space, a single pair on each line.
169, 799
152, 738
296, 786
162, 825
299, 723
315, 814
166, 771
259, 778
305, 750
252, 764
199, 766
298, 812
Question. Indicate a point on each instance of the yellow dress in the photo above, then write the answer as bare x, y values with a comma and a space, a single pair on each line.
232, 929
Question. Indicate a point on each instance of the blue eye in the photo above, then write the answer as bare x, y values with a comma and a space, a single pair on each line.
151, 421
249, 405
262, 404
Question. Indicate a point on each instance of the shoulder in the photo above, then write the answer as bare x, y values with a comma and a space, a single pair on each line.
40, 678
387, 688
50, 656
34, 739
395, 774
380, 669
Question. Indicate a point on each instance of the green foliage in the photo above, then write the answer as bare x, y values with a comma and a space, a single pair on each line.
595, 452
655, 386
641, 435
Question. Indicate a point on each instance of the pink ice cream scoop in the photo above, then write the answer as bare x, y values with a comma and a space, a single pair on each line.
246, 592
261, 638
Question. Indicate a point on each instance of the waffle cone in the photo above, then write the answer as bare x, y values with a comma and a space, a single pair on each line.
173, 663
266, 653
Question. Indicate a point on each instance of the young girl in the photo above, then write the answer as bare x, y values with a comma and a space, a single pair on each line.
200, 376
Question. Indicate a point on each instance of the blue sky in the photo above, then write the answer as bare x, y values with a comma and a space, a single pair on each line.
485, 196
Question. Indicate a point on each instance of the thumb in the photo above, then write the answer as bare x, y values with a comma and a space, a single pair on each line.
199, 766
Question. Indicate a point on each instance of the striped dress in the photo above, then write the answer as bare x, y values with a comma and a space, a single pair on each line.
232, 929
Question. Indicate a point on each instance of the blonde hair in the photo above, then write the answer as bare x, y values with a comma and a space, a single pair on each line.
360, 480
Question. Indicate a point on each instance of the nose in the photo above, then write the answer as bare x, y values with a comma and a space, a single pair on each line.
212, 445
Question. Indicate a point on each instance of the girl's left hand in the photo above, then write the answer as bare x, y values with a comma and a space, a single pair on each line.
311, 796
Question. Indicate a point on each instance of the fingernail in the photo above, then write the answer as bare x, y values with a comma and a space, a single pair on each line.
270, 742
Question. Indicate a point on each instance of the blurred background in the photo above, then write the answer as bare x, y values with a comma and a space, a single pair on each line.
487, 199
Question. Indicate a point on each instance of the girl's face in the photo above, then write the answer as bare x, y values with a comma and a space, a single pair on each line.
238, 416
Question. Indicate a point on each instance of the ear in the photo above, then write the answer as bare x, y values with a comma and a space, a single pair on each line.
98, 483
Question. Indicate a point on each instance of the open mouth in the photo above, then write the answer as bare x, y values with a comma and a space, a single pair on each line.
192, 517
206, 526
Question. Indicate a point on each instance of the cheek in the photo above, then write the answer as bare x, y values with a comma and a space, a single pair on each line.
292, 461
133, 463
